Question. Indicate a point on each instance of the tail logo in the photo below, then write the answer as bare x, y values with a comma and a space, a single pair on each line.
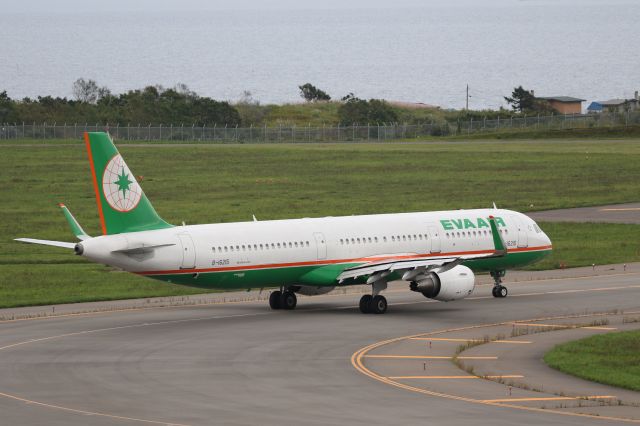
119, 186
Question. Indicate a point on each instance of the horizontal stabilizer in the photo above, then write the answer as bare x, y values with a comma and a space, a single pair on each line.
47, 242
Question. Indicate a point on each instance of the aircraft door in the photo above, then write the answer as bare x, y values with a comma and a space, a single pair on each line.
188, 252
321, 245
523, 236
434, 236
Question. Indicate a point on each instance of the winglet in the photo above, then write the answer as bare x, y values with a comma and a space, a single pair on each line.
73, 223
500, 247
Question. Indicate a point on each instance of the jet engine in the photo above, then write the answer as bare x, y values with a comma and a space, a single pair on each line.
456, 283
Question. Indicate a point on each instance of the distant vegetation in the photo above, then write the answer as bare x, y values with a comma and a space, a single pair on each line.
311, 93
93, 103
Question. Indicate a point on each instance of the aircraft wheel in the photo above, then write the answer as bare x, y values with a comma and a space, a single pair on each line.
275, 299
289, 300
499, 291
502, 291
379, 305
365, 303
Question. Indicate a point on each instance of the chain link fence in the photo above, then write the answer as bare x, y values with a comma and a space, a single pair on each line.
310, 134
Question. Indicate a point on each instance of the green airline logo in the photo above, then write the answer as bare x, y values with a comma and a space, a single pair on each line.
453, 224
123, 183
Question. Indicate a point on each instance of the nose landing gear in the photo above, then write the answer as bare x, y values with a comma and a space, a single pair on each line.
498, 290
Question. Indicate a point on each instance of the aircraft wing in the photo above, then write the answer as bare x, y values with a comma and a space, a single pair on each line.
377, 269
419, 263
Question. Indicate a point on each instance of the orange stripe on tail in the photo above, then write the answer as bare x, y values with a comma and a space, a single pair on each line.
95, 184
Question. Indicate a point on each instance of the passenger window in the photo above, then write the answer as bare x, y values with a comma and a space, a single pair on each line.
375, 239
393, 238
307, 243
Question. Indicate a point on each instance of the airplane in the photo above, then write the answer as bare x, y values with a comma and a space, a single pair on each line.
436, 253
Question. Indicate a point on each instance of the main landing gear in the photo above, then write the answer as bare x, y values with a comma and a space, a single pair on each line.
283, 300
498, 289
374, 303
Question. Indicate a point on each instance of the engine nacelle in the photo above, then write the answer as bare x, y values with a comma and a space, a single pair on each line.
456, 283
309, 290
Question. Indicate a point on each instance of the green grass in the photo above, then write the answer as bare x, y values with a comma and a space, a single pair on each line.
612, 359
224, 183
25, 285
585, 244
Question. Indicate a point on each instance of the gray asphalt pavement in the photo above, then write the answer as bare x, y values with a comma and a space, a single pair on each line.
241, 363
615, 213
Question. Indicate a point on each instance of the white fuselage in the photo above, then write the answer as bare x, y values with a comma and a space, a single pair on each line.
262, 245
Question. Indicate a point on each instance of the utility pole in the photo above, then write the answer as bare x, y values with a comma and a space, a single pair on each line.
467, 97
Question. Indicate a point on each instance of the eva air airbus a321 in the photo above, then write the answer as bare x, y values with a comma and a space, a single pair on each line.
434, 252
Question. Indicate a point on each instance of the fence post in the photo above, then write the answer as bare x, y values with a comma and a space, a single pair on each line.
265, 132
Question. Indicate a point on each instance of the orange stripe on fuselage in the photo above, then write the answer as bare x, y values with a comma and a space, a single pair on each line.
95, 184
335, 261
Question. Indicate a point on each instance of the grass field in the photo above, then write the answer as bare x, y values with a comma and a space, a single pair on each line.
223, 183
612, 359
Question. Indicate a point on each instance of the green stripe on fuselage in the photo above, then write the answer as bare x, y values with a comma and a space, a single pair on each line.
273, 277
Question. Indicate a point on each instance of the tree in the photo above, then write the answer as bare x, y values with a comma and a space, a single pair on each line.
7, 109
521, 100
311, 93
360, 111
87, 91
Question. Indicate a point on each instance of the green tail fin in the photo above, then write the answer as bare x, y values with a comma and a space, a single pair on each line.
122, 205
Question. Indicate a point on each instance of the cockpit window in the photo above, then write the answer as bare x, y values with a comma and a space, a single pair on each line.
537, 228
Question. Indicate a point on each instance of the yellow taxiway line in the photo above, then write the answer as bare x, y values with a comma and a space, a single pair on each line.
506, 376
429, 357
567, 326
551, 398
358, 363
436, 339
